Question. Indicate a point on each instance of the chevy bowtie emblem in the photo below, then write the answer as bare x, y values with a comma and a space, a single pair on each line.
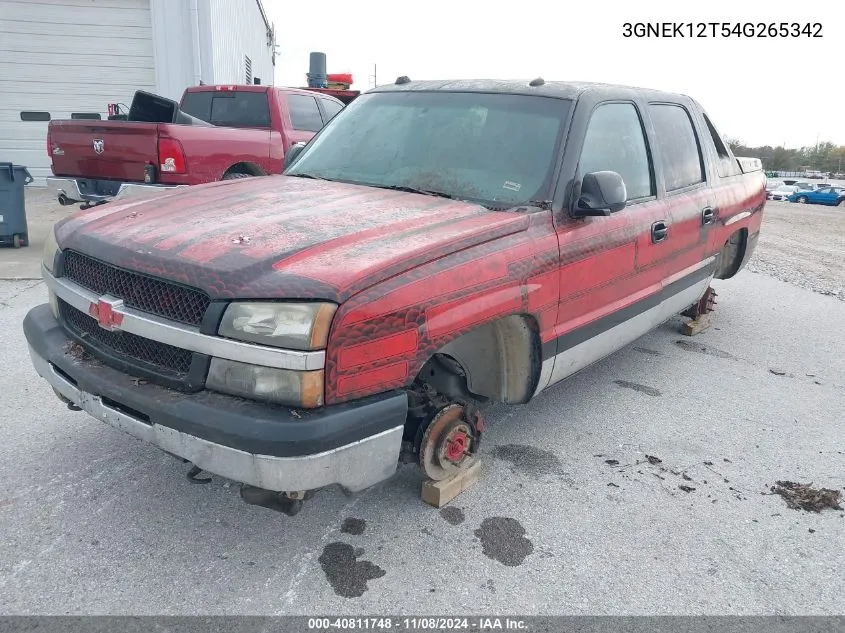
99, 146
106, 312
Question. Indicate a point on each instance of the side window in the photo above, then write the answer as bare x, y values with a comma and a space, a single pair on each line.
331, 108
680, 154
304, 114
615, 142
727, 163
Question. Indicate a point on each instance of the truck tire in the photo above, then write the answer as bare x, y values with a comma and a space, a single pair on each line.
236, 175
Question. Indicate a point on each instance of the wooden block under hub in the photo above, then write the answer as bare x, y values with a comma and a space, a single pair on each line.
696, 326
439, 493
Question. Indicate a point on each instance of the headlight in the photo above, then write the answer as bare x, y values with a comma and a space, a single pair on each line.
299, 326
283, 386
48, 255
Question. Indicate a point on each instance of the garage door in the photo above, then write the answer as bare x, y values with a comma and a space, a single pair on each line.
63, 59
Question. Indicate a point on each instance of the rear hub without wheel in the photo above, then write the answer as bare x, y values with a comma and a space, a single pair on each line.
705, 305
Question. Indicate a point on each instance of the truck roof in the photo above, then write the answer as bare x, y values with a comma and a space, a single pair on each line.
344, 96
558, 89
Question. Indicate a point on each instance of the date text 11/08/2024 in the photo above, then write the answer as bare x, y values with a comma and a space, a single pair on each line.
721, 29
480, 624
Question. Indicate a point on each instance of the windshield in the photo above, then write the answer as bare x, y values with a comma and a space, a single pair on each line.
786, 188
496, 149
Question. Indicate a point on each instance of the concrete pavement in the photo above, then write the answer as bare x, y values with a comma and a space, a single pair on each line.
96, 522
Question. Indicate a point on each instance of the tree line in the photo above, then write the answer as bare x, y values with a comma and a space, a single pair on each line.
826, 157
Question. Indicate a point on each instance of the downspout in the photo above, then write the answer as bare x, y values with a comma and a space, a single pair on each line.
197, 56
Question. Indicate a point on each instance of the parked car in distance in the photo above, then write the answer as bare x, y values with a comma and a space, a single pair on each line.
782, 193
771, 185
215, 133
438, 245
830, 196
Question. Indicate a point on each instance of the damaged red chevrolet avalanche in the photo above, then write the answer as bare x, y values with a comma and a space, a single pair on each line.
437, 245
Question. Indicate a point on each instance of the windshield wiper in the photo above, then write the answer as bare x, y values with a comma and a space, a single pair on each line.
406, 189
308, 176
543, 205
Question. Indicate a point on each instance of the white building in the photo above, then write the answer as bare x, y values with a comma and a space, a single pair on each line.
63, 59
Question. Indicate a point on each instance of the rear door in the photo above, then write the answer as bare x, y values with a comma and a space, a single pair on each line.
828, 195
611, 269
109, 150
305, 119
692, 208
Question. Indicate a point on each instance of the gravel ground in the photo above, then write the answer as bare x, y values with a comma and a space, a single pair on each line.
580, 509
803, 245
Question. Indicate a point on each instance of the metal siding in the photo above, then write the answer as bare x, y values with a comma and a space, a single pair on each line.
65, 56
238, 29
173, 46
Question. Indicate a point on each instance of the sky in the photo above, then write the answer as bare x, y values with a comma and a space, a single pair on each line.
778, 91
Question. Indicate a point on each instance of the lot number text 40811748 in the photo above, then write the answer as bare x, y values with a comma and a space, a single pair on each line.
721, 29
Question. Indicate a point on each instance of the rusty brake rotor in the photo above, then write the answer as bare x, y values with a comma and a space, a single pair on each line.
448, 443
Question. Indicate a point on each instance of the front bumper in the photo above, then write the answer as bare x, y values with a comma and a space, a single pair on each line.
354, 444
70, 190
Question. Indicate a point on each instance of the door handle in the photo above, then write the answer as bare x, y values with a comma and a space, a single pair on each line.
659, 231
708, 216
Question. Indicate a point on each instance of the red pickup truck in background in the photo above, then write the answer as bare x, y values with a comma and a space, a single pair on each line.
214, 133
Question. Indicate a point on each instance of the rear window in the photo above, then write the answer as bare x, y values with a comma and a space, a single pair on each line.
727, 165
229, 109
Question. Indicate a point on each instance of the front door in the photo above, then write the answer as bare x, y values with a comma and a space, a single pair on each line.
612, 267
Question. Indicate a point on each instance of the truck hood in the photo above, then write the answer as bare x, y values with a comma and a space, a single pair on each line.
281, 236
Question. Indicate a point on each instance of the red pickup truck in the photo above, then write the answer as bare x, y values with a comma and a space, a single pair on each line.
437, 246
230, 132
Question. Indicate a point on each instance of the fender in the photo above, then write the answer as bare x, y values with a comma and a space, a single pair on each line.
382, 337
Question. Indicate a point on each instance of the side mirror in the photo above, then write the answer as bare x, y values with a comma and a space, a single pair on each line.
602, 193
292, 153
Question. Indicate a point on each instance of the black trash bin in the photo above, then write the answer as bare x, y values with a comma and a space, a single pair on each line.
13, 229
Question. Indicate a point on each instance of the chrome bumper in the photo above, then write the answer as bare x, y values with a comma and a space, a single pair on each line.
354, 466
68, 191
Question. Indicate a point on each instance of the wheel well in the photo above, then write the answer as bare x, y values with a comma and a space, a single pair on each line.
497, 361
730, 257
245, 168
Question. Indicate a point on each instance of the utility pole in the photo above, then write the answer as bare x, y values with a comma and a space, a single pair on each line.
374, 77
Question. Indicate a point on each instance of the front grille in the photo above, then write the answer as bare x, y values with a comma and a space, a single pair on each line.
157, 357
162, 298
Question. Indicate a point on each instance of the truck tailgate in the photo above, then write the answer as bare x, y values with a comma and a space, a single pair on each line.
103, 149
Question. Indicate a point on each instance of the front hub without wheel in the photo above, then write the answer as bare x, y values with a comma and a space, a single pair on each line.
449, 442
